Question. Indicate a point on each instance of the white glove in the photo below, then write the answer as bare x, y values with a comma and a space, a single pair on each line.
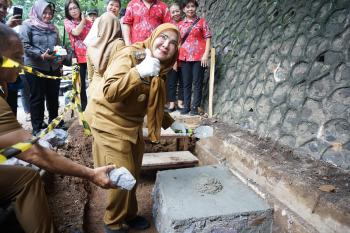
149, 67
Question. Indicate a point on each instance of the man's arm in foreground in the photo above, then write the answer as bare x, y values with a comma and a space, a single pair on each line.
53, 162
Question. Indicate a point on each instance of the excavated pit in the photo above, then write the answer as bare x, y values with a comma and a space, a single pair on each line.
78, 206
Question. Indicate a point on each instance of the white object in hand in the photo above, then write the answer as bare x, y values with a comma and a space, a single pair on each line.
122, 178
60, 51
149, 67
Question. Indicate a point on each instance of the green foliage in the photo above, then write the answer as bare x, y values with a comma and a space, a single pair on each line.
59, 14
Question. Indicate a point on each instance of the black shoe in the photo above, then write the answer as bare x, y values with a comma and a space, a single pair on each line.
170, 109
138, 223
36, 132
179, 108
44, 125
61, 125
194, 112
107, 230
185, 111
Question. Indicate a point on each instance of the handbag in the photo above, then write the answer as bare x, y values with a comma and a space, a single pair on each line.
189, 30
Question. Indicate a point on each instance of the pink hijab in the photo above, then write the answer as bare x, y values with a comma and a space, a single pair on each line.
36, 14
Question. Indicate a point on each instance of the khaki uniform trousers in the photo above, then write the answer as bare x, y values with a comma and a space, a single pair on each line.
23, 188
108, 149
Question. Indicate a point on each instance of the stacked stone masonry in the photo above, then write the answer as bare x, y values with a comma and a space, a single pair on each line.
287, 66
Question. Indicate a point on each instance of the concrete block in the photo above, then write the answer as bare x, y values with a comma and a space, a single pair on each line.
207, 199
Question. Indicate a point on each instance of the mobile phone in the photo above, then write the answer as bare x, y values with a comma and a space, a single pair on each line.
51, 52
18, 11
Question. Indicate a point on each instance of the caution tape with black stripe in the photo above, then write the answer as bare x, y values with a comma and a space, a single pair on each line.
9, 63
21, 147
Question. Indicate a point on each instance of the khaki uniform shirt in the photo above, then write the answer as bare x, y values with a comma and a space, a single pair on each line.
8, 122
119, 103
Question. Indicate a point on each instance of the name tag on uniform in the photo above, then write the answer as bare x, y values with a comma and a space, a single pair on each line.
141, 98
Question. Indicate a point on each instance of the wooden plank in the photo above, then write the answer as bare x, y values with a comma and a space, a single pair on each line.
174, 159
211, 81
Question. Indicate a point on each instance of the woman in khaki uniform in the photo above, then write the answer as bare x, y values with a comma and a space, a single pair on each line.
101, 51
131, 88
20, 186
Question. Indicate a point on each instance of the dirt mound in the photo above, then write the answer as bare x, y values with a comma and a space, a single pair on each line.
68, 196
76, 204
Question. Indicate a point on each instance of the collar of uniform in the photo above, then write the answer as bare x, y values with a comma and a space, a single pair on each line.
186, 20
152, 3
147, 80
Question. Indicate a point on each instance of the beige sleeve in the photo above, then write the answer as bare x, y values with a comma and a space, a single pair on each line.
120, 78
8, 121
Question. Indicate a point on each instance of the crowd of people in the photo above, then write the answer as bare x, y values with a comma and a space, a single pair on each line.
134, 63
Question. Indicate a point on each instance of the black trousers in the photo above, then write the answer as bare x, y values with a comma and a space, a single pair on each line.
41, 89
174, 85
83, 97
192, 75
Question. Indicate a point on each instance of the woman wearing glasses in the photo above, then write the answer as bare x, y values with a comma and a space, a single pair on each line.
131, 88
77, 27
39, 36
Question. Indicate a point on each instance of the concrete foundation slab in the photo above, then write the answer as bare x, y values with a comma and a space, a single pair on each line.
207, 199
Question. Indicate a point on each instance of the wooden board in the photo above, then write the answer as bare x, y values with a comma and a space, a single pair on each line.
163, 160
211, 82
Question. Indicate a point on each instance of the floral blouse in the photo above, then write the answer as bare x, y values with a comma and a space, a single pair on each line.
77, 41
142, 20
194, 46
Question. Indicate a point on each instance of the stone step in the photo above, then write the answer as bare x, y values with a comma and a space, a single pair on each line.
164, 160
289, 182
207, 199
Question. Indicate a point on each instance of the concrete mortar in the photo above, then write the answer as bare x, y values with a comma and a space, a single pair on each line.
207, 199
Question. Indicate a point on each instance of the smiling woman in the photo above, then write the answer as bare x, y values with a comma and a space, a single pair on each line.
39, 36
131, 89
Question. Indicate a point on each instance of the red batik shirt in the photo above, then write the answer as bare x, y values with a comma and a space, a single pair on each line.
77, 41
194, 46
143, 21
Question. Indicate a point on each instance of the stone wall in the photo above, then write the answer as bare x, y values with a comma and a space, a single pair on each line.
283, 71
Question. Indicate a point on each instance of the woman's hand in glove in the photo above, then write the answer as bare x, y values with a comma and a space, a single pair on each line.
149, 67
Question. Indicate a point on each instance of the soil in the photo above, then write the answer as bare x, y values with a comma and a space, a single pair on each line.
77, 205
94, 217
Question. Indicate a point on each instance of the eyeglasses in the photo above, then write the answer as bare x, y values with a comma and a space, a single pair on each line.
73, 8
164, 37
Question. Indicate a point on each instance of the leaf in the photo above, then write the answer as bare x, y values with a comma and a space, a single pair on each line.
327, 188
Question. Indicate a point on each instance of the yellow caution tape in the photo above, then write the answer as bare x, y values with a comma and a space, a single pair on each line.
21, 147
16, 149
9, 63
75, 103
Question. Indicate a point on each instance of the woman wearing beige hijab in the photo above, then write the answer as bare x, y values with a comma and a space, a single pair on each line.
103, 48
133, 86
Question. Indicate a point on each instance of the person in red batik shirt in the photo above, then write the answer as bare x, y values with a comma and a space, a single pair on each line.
78, 27
193, 55
142, 17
